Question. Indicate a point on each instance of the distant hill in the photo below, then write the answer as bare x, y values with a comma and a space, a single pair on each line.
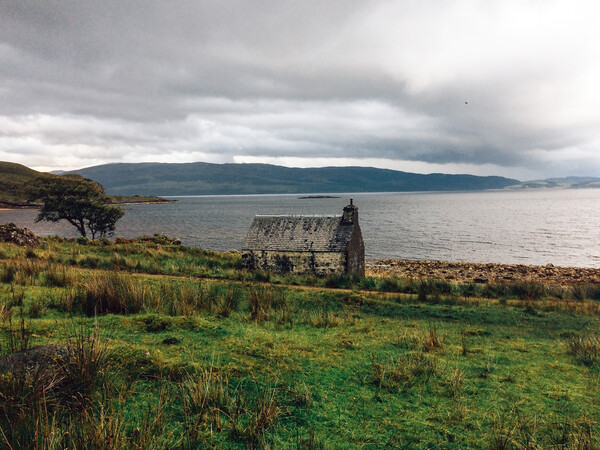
205, 178
559, 183
14, 177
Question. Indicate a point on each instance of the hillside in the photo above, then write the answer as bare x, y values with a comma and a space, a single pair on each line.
204, 178
14, 177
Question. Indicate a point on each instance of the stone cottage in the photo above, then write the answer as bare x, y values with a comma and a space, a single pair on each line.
319, 245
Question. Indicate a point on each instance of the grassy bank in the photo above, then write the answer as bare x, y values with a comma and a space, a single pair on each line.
162, 346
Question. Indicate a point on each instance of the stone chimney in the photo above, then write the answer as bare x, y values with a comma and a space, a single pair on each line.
350, 213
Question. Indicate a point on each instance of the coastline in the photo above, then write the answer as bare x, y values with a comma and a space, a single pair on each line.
6, 207
465, 272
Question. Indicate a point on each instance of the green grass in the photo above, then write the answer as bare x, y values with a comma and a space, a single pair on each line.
230, 361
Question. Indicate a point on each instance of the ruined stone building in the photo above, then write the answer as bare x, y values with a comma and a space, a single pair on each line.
320, 245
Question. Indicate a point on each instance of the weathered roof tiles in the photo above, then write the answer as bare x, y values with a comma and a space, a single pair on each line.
298, 234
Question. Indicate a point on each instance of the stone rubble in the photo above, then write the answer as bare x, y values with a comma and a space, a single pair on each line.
10, 233
464, 272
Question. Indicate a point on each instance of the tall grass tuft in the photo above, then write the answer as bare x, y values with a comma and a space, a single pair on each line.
5, 311
110, 293
516, 429
41, 384
9, 273
582, 292
404, 371
263, 300
432, 341
83, 369
204, 395
263, 416
322, 318
55, 277
585, 348
190, 298
527, 290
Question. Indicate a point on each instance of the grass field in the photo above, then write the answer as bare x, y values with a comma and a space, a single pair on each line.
162, 346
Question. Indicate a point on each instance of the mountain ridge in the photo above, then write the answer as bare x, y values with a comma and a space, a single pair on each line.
200, 178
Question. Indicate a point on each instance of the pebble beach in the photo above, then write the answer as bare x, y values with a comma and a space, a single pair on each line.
464, 272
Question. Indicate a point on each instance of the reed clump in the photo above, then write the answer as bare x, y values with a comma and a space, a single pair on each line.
585, 348
110, 293
264, 300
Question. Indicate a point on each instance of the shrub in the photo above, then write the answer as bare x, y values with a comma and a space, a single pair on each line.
369, 283
393, 284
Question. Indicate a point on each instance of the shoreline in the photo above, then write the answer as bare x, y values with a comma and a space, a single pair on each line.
466, 272
125, 203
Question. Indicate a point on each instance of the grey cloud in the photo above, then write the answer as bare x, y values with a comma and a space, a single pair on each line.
346, 79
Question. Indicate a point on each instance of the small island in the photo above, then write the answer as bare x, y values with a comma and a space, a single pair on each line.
135, 199
317, 196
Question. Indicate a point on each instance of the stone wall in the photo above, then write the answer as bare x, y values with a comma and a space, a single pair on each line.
318, 263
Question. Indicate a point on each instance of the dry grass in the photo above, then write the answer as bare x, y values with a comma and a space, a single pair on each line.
585, 348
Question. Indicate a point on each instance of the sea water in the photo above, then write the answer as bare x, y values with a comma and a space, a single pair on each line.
561, 227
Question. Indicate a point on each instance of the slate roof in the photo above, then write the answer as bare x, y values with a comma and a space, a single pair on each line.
298, 234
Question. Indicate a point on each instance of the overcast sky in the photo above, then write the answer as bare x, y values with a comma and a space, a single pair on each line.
485, 87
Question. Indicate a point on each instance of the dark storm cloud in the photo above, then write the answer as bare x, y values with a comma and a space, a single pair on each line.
507, 84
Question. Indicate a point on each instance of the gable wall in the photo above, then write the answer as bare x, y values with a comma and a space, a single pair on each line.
317, 263
355, 259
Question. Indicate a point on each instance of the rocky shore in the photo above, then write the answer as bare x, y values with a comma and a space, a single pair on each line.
463, 272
